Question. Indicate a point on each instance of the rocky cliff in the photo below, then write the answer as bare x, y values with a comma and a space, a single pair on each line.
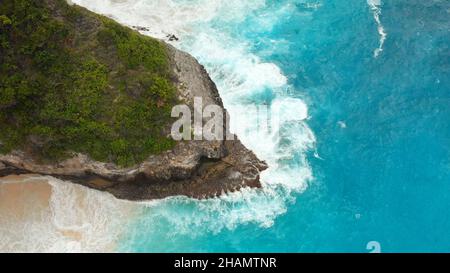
198, 169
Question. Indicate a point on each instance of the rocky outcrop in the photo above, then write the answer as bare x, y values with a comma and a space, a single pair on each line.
198, 169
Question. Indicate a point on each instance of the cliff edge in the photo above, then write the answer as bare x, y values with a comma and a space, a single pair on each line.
198, 169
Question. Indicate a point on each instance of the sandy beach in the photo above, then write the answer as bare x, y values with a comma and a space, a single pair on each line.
43, 214
22, 197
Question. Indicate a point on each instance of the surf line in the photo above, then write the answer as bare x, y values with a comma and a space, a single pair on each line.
375, 6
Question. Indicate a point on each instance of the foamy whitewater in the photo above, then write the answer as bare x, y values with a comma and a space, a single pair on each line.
375, 6
362, 153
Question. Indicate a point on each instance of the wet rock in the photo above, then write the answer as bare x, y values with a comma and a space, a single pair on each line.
139, 28
172, 38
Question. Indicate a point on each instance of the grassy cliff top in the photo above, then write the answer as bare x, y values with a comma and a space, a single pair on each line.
73, 81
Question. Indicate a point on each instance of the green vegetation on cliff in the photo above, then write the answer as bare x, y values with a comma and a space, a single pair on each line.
73, 81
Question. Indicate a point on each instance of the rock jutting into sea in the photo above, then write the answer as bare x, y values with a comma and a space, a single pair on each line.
197, 169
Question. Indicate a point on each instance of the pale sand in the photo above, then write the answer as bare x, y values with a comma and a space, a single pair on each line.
46, 215
22, 196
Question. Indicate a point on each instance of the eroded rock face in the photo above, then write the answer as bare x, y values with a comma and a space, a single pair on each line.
198, 169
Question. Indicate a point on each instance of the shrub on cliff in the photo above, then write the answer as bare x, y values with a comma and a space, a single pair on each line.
73, 81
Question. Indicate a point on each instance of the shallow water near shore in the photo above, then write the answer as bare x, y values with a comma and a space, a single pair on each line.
371, 162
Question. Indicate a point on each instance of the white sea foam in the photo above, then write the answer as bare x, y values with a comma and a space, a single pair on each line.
164, 17
242, 77
73, 219
375, 6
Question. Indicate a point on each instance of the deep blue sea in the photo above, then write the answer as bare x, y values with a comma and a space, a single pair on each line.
370, 163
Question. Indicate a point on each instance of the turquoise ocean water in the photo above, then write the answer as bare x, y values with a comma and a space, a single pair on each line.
372, 160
